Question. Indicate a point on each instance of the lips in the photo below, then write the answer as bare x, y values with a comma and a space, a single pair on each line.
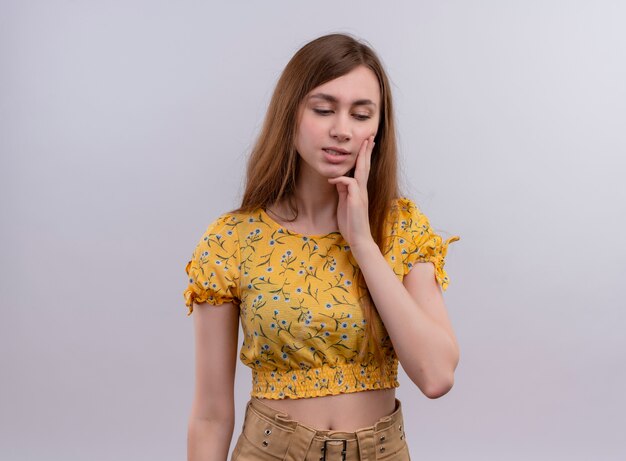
335, 151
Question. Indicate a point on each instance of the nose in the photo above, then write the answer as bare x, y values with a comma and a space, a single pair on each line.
340, 129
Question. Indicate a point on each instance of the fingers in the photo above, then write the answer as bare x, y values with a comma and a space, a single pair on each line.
346, 185
363, 161
348, 182
358, 184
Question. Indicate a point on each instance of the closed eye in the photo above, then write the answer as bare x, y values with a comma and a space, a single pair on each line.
360, 117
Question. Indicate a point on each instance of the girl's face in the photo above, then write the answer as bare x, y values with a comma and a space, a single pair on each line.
334, 120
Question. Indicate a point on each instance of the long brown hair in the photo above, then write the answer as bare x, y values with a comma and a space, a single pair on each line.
273, 164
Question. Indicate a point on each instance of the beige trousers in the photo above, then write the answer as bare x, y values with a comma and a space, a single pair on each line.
268, 434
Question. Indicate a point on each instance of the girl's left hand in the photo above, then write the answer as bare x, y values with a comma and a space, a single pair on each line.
352, 209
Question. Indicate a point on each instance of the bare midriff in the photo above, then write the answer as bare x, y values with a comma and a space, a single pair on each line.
343, 412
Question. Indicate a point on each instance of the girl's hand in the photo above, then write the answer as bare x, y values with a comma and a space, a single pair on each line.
352, 209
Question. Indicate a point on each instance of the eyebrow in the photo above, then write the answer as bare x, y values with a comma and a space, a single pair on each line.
330, 98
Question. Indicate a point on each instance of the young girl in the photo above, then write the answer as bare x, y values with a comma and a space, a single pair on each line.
334, 275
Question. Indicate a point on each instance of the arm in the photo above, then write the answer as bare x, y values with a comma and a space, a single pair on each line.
414, 314
413, 310
212, 418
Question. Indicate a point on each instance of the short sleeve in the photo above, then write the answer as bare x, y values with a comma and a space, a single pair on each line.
214, 266
419, 242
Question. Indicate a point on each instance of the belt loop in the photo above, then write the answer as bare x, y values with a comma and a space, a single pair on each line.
367, 449
299, 444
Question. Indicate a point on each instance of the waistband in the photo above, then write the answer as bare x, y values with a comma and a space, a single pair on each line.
272, 431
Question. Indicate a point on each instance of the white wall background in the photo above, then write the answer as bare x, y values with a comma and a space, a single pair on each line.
124, 129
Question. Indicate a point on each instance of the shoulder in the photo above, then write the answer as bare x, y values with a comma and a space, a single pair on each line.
221, 233
404, 204
418, 241
404, 222
213, 269
227, 224
404, 210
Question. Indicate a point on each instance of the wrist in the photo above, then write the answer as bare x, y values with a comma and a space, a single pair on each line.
363, 246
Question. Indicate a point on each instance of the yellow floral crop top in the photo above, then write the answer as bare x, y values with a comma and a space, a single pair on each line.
297, 298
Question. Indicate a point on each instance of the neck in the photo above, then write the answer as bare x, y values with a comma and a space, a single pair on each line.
316, 201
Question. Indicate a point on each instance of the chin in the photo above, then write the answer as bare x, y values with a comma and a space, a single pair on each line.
337, 175
331, 171
337, 170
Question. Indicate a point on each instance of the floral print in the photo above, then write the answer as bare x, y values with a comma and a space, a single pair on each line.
297, 298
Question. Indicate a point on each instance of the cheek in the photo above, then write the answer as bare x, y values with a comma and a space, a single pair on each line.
307, 130
367, 130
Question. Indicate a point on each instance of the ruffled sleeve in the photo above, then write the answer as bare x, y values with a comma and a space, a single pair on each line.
419, 242
214, 266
